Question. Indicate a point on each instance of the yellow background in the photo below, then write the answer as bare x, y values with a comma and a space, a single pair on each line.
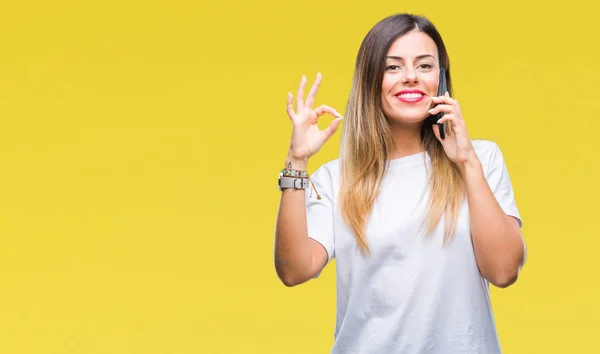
140, 143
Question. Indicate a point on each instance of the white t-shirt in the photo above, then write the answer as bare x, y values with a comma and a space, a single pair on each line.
413, 295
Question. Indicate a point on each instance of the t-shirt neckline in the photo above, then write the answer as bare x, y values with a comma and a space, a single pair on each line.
410, 160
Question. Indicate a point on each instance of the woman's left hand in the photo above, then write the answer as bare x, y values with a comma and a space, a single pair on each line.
457, 143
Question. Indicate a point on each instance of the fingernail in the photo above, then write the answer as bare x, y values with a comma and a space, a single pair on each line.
431, 110
438, 122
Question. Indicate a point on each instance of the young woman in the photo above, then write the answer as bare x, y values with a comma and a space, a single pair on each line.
419, 224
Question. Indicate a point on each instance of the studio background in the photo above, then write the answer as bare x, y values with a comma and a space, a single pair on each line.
140, 143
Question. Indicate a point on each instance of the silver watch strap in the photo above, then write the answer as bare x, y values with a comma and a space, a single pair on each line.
293, 182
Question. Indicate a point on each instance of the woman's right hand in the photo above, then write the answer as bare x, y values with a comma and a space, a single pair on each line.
307, 138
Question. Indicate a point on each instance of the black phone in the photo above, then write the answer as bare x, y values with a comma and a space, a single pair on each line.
442, 88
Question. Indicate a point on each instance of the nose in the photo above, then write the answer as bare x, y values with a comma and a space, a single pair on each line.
410, 77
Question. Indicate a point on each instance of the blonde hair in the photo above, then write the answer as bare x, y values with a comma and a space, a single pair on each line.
367, 143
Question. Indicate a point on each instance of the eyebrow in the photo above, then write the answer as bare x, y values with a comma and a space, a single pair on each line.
418, 57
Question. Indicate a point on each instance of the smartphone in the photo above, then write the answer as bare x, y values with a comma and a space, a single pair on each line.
442, 88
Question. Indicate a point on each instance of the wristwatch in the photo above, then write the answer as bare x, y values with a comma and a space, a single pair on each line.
285, 182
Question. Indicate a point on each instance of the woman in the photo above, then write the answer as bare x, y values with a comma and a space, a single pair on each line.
419, 224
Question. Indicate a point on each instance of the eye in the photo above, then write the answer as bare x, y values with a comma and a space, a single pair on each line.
426, 66
392, 67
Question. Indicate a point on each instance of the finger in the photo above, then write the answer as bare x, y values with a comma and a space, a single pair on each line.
444, 99
290, 109
310, 98
332, 128
322, 109
447, 118
441, 108
300, 94
454, 102
456, 125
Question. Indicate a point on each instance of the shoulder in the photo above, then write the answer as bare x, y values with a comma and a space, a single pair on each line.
327, 173
487, 151
491, 158
329, 168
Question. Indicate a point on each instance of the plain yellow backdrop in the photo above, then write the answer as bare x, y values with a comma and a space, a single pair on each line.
140, 145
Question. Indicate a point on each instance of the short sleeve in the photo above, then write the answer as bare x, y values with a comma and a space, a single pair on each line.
319, 212
500, 184
499, 181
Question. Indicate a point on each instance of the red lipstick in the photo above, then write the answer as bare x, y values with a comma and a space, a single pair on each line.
410, 96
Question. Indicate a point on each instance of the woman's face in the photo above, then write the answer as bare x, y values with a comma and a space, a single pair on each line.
410, 78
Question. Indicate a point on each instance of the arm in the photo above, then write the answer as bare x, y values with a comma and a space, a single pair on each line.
298, 258
497, 238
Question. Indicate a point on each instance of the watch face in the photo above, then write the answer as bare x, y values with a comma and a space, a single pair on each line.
279, 181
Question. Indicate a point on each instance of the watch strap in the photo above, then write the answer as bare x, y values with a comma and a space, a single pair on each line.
290, 172
293, 182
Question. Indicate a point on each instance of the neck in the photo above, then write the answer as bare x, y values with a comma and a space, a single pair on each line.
407, 140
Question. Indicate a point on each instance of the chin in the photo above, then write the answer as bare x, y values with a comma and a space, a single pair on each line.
408, 117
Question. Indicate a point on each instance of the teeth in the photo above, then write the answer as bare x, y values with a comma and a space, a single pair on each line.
410, 95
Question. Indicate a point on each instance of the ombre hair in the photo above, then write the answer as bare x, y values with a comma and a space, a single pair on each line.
367, 143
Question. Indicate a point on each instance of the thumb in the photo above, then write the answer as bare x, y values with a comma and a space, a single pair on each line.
436, 132
332, 128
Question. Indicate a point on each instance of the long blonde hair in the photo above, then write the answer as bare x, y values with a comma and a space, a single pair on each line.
367, 143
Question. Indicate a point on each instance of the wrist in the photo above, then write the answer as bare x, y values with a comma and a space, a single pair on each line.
295, 162
471, 167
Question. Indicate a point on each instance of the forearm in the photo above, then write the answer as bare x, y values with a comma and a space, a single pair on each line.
292, 252
496, 236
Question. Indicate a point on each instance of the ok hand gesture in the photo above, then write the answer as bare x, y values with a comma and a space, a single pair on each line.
307, 138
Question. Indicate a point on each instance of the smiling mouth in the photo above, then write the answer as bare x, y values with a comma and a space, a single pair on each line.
411, 97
